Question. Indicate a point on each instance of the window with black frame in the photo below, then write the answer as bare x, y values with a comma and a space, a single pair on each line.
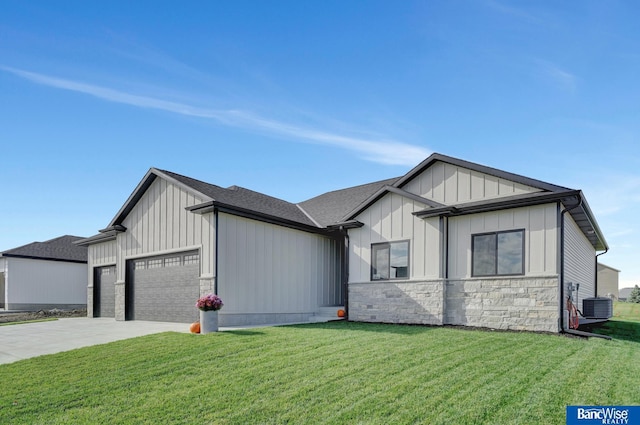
390, 260
498, 253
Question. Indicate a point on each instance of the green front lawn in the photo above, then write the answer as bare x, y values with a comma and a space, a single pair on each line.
337, 372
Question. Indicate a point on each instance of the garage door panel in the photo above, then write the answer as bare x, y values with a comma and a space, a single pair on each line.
165, 288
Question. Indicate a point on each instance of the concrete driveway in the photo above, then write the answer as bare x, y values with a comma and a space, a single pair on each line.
27, 340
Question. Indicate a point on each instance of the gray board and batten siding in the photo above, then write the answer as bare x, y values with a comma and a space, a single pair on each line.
266, 272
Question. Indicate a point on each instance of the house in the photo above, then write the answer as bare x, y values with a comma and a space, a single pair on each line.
607, 280
450, 242
624, 294
44, 275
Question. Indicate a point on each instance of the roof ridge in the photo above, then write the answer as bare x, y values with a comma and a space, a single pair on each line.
379, 182
172, 174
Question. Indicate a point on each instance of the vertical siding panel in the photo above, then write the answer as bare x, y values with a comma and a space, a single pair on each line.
490, 186
505, 187
163, 213
477, 185
386, 209
365, 255
536, 241
170, 217
426, 183
396, 217
373, 217
432, 251
270, 275
491, 222
176, 217
464, 185
551, 238
418, 247
450, 184
579, 260
438, 182
198, 231
157, 226
190, 219
505, 219
355, 255
408, 220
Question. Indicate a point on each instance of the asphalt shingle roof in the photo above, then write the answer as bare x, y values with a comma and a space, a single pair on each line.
60, 249
331, 207
239, 197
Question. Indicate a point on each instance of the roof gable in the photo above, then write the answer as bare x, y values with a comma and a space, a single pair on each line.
516, 178
61, 248
430, 178
231, 198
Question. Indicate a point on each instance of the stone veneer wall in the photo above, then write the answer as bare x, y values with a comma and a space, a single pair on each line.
516, 303
416, 302
120, 301
90, 300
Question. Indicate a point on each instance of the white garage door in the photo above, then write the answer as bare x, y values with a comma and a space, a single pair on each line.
163, 288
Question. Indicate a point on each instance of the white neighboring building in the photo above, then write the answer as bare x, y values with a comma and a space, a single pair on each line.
608, 282
44, 275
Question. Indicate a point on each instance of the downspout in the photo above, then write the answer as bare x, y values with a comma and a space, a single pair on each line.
215, 255
596, 274
445, 221
562, 301
444, 262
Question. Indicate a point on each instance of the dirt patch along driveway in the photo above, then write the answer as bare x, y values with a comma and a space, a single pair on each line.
24, 316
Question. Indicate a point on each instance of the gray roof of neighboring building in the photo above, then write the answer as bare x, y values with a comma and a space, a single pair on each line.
331, 207
625, 292
61, 248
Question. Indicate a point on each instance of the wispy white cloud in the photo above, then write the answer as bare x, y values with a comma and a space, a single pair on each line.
513, 11
614, 193
559, 76
381, 151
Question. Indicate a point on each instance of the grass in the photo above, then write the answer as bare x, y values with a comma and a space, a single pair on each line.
625, 324
337, 372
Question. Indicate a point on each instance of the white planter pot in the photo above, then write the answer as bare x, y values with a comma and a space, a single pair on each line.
208, 321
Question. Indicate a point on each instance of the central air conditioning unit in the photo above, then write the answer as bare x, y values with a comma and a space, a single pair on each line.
597, 308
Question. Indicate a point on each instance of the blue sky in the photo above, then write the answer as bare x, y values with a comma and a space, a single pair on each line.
296, 98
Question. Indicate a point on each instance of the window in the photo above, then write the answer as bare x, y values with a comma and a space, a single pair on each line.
191, 259
172, 262
390, 260
139, 264
498, 253
155, 264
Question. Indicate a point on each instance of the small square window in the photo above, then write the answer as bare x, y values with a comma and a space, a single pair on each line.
155, 264
390, 260
191, 259
172, 262
498, 253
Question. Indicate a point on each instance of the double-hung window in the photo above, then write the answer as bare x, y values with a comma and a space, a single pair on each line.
390, 260
498, 253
